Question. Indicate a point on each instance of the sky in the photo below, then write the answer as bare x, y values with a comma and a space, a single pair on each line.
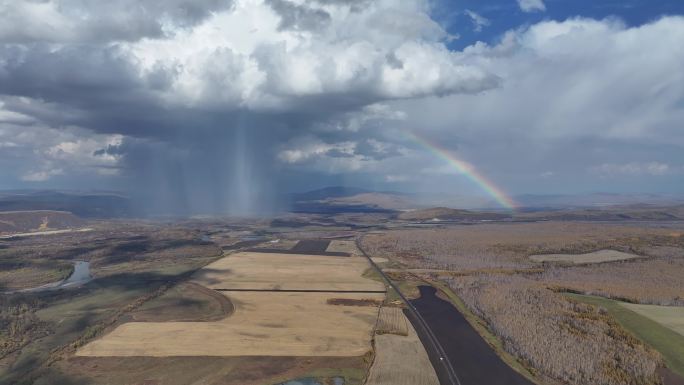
224, 105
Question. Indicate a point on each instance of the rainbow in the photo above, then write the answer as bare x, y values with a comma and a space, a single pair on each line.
468, 170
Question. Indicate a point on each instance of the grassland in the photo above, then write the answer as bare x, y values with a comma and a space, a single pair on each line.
669, 316
344, 246
184, 302
666, 341
66, 318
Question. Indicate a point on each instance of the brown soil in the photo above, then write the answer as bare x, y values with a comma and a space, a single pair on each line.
354, 302
205, 370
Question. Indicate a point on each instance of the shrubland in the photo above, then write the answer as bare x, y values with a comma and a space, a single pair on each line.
561, 339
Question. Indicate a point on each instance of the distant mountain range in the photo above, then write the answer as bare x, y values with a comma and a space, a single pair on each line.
82, 204
348, 198
340, 199
532, 201
449, 214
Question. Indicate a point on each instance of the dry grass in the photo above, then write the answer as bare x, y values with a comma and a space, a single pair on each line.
600, 256
343, 246
401, 360
669, 316
264, 271
392, 321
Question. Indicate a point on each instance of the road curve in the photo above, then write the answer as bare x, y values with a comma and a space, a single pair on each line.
445, 371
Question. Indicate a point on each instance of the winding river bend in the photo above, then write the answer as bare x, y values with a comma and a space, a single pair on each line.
78, 277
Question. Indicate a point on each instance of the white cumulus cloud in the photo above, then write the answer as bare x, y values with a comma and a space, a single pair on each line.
532, 5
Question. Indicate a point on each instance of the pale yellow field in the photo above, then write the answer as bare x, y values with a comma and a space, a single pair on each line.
264, 324
276, 323
264, 271
401, 360
671, 317
594, 257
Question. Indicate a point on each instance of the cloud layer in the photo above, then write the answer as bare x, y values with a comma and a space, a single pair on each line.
221, 105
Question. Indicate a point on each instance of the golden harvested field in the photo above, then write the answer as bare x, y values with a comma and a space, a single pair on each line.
264, 323
580, 259
671, 317
268, 271
401, 360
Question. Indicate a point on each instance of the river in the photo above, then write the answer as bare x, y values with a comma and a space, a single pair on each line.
78, 277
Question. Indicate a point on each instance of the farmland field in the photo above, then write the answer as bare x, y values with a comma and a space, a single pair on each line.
392, 321
401, 359
269, 319
263, 324
235, 303
287, 272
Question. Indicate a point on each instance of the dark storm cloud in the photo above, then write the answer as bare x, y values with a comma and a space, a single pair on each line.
74, 73
221, 109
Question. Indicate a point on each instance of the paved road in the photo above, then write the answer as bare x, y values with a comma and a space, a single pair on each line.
477, 363
438, 358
